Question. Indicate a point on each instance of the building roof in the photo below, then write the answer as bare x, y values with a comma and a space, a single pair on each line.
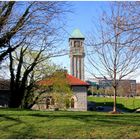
73, 81
77, 34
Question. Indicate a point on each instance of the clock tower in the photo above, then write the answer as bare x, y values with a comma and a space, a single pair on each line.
76, 43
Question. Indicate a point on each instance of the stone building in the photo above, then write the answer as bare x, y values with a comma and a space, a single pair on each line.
78, 100
79, 89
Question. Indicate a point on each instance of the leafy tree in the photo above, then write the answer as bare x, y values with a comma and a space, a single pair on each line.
93, 90
36, 36
26, 68
101, 91
33, 93
61, 90
58, 88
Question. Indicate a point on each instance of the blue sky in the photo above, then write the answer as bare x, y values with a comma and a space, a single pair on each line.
85, 13
84, 17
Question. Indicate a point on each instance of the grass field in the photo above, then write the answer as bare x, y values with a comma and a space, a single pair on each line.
58, 124
129, 104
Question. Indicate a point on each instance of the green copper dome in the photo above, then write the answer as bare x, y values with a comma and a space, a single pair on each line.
76, 34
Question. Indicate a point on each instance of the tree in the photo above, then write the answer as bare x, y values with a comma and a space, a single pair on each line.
35, 18
20, 73
101, 91
41, 37
57, 87
92, 90
61, 91
109, 91
131, 18
27, 66
33, 93
114, 51
124, 88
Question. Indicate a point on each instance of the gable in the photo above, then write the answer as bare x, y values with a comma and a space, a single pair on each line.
71, 80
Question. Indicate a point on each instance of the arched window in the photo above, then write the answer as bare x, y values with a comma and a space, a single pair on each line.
76, 44
72, 103
48, 102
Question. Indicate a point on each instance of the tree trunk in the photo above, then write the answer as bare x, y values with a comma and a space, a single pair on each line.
115, 93
29, 106
16, 98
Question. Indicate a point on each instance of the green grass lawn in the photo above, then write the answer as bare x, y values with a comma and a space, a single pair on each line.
58, 124
129, 104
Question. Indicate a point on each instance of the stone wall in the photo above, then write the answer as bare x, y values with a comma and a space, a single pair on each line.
79, 96
81, 93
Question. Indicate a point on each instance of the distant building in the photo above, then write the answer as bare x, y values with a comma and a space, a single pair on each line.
138, 89
126, 87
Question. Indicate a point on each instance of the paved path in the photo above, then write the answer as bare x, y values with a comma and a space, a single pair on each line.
108, 109
92, 106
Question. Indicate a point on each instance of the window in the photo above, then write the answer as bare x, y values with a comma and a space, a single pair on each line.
49, 101
72, 103
76, 44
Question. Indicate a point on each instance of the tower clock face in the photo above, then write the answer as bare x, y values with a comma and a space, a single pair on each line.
77, 43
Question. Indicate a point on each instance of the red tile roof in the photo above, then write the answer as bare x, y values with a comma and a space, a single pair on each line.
73, 81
